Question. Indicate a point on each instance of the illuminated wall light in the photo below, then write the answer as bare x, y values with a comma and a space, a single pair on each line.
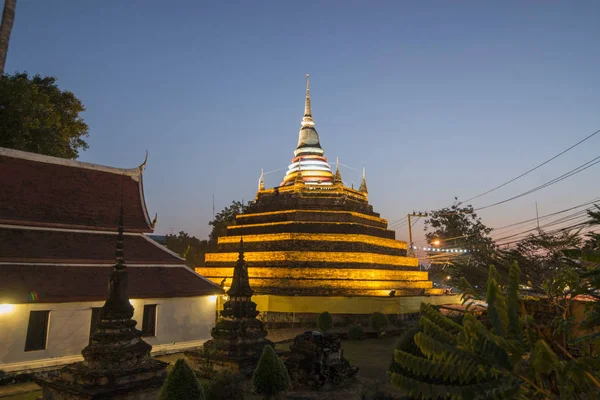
6, 308
212, 298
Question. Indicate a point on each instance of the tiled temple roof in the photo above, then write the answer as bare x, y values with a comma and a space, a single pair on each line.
58, 234
51, 246
72, 283
47, 191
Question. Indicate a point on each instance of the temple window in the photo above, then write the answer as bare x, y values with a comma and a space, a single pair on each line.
37, 330
149, 322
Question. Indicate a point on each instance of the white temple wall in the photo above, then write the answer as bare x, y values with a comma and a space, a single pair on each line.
181, 323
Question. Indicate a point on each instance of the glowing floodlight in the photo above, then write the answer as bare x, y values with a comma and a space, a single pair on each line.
6, 308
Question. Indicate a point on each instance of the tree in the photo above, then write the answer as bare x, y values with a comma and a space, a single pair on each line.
550, 266
189, 247
181, 384
37, 116
8, 18
324, 322
542, 256
506, 356
270, 376
459, 227
591, 255
223, 219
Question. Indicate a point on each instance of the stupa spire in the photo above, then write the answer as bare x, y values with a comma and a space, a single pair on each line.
316, 169
338, 176
307, 120
240, 283
261, 180
363, 183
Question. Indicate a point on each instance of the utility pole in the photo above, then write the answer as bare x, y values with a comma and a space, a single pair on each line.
537, 216
411, 251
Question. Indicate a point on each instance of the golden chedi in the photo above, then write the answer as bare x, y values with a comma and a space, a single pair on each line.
314, 236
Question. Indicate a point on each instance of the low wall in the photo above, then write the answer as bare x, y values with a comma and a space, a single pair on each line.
348, 305
282, 312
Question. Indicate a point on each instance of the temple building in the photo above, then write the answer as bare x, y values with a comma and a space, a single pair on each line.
314, 236
59, 223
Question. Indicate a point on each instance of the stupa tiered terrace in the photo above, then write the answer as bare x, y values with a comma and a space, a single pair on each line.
314, 236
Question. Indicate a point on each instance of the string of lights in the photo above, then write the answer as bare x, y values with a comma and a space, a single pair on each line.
440, 250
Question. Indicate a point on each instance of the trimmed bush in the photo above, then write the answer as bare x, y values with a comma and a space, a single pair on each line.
181, 384
324, 322
378, 322
270, 376
355, 332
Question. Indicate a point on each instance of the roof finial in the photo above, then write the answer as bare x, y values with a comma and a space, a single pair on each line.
143, 165
307, 120
363, 184
338, 176
261, 180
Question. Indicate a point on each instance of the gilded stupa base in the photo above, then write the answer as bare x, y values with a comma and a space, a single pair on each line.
315, 244
281, 311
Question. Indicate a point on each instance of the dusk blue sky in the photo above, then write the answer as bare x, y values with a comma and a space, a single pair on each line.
435, 98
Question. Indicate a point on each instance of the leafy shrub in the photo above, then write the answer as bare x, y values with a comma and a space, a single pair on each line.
324, 322
378, 322
270, 376
355, 332
181, 384
224, 386
507, 356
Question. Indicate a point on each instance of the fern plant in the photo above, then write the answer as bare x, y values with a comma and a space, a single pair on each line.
503, 357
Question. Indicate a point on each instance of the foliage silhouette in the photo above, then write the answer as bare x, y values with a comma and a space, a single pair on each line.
270, 376
181, 384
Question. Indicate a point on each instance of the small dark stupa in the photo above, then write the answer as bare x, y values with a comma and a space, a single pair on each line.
117, 363
238, 337
317, 360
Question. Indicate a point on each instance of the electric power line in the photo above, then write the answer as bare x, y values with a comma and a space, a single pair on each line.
565, 229
566, 175
532, 169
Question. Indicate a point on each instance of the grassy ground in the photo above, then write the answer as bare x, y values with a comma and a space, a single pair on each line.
372, 356
25, 396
